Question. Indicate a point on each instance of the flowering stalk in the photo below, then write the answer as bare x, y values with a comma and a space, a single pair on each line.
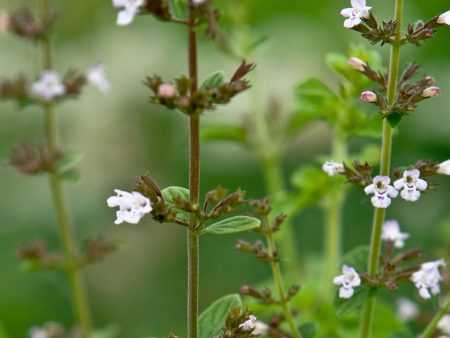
429, 330
385, 161
279, 280
194, 184
77, 287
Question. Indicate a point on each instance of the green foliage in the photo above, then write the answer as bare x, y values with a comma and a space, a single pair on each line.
212, 320
179, 9
357, 258
3, 333
403, 334
394, 119
214, 80
169, 195
309, 330
233, 225
66, 166
344, 306
223, 133
112, 331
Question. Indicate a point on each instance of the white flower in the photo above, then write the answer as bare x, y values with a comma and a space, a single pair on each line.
382, 191
349, 280
431, 91
368, 96
410, 185
260, 328
356, 63
48, 86
96, 76
332, 168
391, 232
37, 332
444, 18
406, 309
132, 206
130, 9
444, 168
198, 2
249, 325
428, 277
359, 10
444, 324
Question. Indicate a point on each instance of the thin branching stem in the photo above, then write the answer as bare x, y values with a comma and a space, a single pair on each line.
431, 328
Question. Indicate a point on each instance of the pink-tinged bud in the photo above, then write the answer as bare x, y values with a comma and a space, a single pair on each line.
369, 96
444, 19
431, 91
166, 91
444, 168
183, 102
357, 64
5, 22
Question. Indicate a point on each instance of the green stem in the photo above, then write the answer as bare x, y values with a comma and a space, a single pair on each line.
279, 282
194, 184
385, 162
79, 298
429, 330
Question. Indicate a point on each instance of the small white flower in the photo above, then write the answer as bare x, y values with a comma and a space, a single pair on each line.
368, 96
410, 185
444, 168
248, 325
444, 324
37, 332
444, 18
332, 168
260, 328
130, 9
48, 87
166, 90
132, 206
356, 63
349, 280
391, 232
382, 191
198, 2
359, 10
406, 309
96, 76
427, 278
431, 91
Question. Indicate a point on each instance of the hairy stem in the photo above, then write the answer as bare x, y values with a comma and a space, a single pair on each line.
67, 238
385, 164
194, 184
429, 330
279, 282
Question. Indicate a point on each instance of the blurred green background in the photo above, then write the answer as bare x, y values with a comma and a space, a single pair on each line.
142, 288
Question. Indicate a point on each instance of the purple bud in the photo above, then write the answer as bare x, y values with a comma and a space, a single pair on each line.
183, 102
166, 91
369, 96
356, 64
431, 91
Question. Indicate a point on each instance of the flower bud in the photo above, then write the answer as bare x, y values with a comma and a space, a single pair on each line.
431, 91
183, 102
444, 168
444, 19
368, 96
357, 64
166, 91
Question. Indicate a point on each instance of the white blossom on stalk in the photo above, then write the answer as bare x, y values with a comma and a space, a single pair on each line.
332, 168
410, 185
444, 18
96, 76
356, 63
249, 325
349, 280
382, 191
48, 87
37, 332
444, 168
132, 206
260, 328
391, 232
427, 278
359, 10
444, 324
130, 9
406, 309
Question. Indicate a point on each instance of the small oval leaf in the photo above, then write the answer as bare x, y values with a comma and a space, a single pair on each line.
169, 195
214, 80
233, 225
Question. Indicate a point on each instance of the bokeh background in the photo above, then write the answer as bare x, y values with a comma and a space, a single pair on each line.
121, 135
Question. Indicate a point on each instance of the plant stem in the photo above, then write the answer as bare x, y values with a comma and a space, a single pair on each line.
429, 330
194, 184
385, 163
79, 298
279, 282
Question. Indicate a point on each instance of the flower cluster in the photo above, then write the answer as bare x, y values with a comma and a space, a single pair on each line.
391, 233
428, 277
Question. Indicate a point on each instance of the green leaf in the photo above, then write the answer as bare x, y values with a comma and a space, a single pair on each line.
394, 119
223, 133
233, 225
344, 306
111, 331
214, 80
3, 333
309, 330
357, 258
212, 320
179, 9
67, 161
72, 175
169, 195
403, 334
